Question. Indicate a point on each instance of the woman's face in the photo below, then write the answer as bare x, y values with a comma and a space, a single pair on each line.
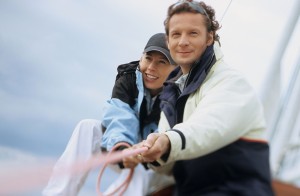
155, 68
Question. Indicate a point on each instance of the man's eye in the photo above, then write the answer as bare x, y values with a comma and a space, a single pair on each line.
174, 35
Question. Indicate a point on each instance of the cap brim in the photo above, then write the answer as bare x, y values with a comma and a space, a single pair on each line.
161, 50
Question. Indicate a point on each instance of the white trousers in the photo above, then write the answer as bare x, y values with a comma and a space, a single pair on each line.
84, 142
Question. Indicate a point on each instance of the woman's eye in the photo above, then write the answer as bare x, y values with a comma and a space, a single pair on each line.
163, 62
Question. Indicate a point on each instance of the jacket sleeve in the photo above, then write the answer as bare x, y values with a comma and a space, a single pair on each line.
222, 111
120, 119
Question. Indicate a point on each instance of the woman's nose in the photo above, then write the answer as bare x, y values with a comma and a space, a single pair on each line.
152, 65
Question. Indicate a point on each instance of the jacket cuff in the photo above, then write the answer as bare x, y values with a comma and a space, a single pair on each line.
177, 142
120, 164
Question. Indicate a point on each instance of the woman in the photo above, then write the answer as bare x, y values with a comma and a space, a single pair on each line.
129, 116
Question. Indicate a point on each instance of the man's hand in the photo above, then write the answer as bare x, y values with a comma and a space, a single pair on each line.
158, 144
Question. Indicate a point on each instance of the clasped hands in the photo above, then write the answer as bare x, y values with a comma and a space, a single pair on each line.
157, 144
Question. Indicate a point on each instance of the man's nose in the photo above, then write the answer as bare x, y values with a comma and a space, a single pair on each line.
184, 41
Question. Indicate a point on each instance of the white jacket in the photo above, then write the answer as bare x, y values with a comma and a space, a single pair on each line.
224, 109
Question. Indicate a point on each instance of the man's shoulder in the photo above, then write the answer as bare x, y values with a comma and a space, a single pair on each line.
221, 69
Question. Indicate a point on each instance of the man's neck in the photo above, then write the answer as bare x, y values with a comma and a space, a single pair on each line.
185, 69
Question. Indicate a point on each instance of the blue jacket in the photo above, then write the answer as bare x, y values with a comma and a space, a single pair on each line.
125, 116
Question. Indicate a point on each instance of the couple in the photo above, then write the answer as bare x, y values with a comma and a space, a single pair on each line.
204, 130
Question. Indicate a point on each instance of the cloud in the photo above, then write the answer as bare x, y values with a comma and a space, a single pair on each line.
58, 58
10, 156
15, 162
52, 73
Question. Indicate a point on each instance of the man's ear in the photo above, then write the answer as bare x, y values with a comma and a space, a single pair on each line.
167, 41
210, 38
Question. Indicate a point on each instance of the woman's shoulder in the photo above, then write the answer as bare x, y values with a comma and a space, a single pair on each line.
127, 68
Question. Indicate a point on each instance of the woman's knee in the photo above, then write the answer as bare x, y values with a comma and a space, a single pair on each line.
89, 125
90, 122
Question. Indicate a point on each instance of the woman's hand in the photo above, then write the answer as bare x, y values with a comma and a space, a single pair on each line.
133, 161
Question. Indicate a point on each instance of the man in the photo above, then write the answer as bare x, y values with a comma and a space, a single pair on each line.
212, 123
129, 116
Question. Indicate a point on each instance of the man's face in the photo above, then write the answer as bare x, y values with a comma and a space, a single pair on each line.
188, 38
155, 69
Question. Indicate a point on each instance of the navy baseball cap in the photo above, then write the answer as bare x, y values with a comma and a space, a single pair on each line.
158, 43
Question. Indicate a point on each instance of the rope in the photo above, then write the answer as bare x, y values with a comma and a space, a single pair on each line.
122, 187
225, 11
40, 172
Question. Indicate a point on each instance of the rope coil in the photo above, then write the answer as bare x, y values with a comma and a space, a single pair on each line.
123, 186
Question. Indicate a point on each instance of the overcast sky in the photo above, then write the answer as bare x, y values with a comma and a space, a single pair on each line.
58, 58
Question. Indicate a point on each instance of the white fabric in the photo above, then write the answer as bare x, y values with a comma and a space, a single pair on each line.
142, 183
181, 82
223, 110
84, 142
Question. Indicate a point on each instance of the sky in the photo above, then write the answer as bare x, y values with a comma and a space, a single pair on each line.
58, 59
